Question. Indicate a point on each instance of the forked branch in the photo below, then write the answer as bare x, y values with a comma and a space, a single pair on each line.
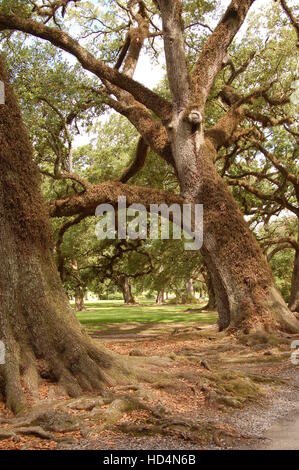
214, 53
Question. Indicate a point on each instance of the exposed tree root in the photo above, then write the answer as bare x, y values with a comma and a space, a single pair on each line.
151, 400
35, 431
77, 367
109, 411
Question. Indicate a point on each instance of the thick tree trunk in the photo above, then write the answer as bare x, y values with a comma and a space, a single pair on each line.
294, 298
244, 287
160, 297
246, 295
41, 334
126, 288
245, 291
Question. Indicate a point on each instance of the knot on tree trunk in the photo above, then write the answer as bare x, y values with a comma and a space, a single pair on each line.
195, 117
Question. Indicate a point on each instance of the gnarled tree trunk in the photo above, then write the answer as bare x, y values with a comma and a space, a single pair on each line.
41, 334
245, 291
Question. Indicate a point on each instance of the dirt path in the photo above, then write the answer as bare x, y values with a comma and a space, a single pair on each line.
267, 423
283, 435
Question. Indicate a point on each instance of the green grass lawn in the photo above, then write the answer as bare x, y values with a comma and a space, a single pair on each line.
108, 312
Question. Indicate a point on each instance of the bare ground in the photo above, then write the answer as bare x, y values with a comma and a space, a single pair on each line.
201, 389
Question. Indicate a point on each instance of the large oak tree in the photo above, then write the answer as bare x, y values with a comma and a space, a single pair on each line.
36, 321
41, 334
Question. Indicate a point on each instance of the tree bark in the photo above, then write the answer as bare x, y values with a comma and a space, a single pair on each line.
126, 288
246, 295
41, 334
245, 291
294, 297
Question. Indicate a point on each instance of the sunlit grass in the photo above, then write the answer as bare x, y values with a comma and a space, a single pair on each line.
104, 312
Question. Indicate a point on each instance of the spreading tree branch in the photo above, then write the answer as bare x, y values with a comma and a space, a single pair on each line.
108, 192
177, 69
280, 199
64, 41
291, 17
277, 164
214, 53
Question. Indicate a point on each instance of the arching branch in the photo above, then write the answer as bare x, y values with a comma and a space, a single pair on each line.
177, 69
214, 53
64, 41
276, 163
108, 192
